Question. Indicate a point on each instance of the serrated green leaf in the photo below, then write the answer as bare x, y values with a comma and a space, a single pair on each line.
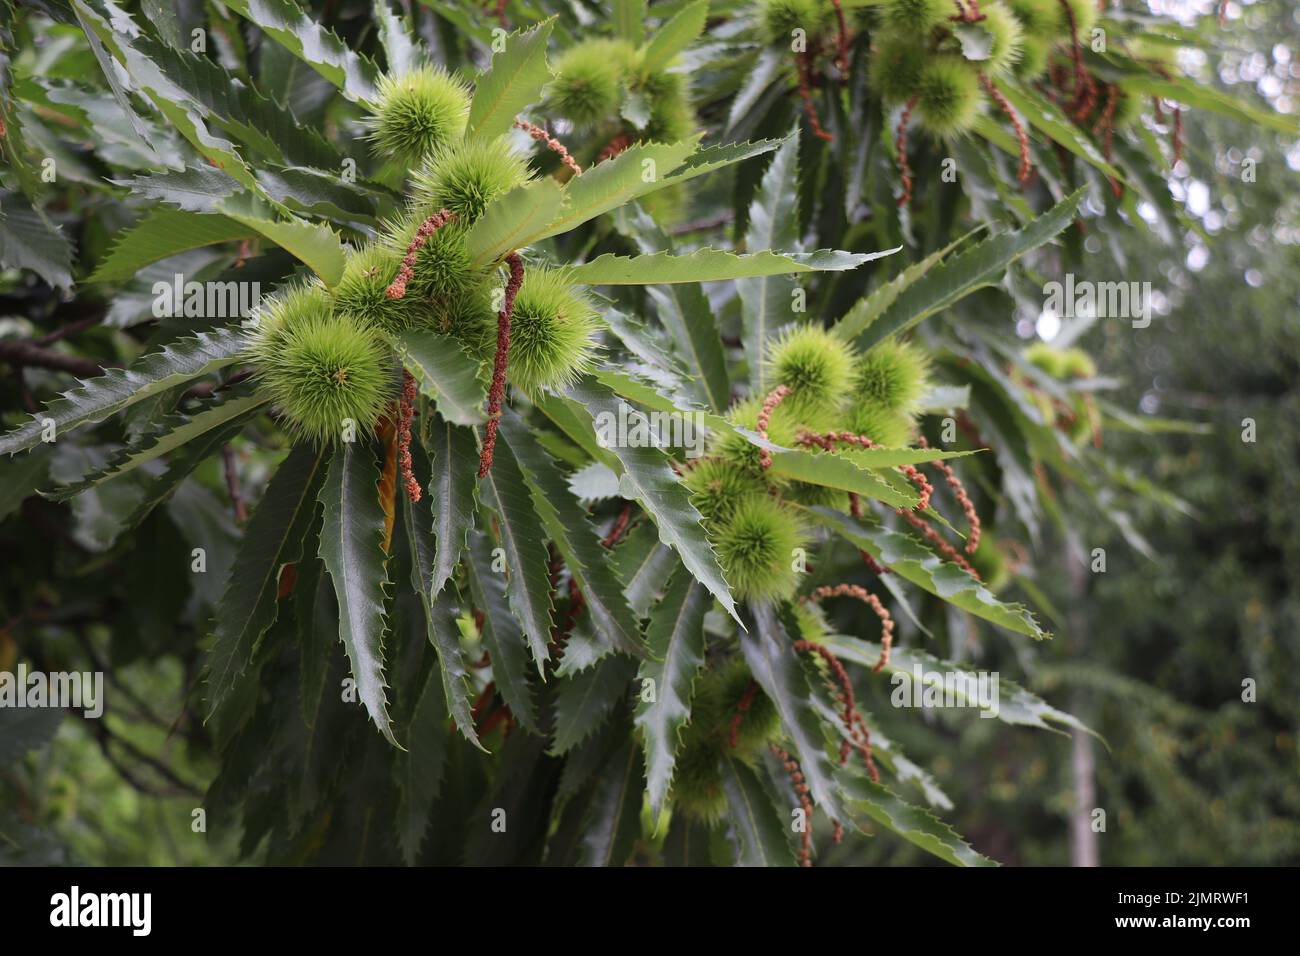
418, 773
661, 494
317, 46
644, 564
351, 545
637, 171
716, 157
97, 398
674, 36
1012, 705
973, 269
396, 37
452, 485
776, 668
676, 638
917, 826
440, 626
911, 560
501, 633
512, 82
173, 432
871, 307
613, 819
576, 540
446, 374
273, 538
711, 265
28, 240
162, 233
757, 829
515, 220
628, 20
766, 302
523, 539
835, 471
1048, 119
313, 243
586, 698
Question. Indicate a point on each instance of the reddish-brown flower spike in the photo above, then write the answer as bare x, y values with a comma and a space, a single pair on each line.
791, 767
497, 392
866, 597
841, 42
742, 707
900, 147
553, 144
1022, 138
397, 288
859, 738
963, 499
774, 398
406, 412
803, 62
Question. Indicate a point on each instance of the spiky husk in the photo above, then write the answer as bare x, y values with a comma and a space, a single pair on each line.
672, 118
893, 375
1060, 363
552, 331
917, 17
778, 19
697, 789
589, 80
948, 96
811, 620
1041, 19
362, 292
884, 426
1034, 54
816, 366
417, 112
755, 546
1085, 18
471, 320
324, 369
895, 67
718, 485
443, 267
465, 176
739, 450
1008, 38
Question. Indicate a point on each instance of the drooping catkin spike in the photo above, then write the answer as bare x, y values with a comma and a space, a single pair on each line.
900, 147
841, 41
553, 144
963, 499
801, 789
1081, 82
1022, 138
869, 599
803, 62
1178, 133
858, 737
405, 413
942, 546
397, 288
497, 391
828, 440
874, 566
615, 146
774, 398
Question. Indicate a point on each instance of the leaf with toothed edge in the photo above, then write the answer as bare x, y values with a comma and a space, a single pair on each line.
612, 823
914, 562
453, 485
653, 483
567, 523
161, 233
712, 265
514, 220
523, 541
756, 828
446, 374
674, 36
512, 82
440, 627
772, 661
676, 639
97, 398
863, 798
502, 637
172, 433
585, 699
351, 545
272, 539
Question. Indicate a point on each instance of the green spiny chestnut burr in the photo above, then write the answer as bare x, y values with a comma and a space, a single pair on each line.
755, 546
815, 365
589, 80
672, 118
324, 369
552, 331
778, 19
895, 66
718, 485
417, 112
464, 176
892, 375
1008, 38
948, 95
884, 426
443, 267
362, 293
917, 17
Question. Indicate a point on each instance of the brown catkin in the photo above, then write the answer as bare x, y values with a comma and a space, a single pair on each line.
553, 144
405, 413
397, 288
497, 392
774, 398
